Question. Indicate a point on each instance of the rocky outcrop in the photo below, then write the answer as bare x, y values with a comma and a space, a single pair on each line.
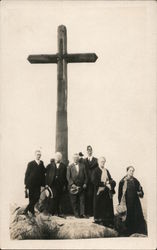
44, 226
73, 228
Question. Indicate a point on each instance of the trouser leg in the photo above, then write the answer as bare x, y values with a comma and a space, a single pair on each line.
89, 199
56, 200
50, 206
58, 197
34, 195
82, 203
74, 202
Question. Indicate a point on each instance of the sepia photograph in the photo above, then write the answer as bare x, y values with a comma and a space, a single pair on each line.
78, 124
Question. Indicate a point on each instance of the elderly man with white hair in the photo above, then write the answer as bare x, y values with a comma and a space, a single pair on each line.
103, 191
56, 182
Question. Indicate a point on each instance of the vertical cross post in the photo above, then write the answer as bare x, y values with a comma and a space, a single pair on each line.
61, 115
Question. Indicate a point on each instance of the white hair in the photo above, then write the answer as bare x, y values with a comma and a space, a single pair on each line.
37, 151
102, 157
58, 154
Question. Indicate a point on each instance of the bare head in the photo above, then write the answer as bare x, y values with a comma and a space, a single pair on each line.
58, 157
76, 158
130, 171
102, 161
37, 155
89, 151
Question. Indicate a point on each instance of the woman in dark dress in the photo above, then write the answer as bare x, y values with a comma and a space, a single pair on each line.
103, 192
131, 190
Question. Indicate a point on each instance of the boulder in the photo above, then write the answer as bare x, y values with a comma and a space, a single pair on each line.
45, 226
75, 228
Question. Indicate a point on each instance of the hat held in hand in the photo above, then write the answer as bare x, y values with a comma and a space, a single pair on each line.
74, 189
48, 192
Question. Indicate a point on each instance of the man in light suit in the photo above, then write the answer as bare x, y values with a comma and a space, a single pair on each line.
57, 182
77, 180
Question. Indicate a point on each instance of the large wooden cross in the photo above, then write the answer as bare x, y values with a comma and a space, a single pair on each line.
61, 59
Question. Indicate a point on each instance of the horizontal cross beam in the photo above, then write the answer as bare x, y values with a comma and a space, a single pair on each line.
69, 58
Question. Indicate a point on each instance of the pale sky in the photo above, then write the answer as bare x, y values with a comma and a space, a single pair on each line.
111, 103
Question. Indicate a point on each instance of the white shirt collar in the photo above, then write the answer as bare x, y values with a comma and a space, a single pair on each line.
90, 158
57, 164
37, 161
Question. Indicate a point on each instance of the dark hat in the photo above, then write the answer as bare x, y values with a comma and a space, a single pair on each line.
81, 154
89, 147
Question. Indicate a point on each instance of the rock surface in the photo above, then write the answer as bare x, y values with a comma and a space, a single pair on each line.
44, 226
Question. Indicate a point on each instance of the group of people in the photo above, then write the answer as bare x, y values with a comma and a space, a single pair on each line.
91, 189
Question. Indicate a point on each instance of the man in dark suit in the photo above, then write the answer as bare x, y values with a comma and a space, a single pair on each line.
77, 180
34, 180
57, 182
90, 163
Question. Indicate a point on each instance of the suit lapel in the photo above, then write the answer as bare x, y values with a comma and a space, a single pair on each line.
36, 163
60, 165
91, 163
99, 173
74, 170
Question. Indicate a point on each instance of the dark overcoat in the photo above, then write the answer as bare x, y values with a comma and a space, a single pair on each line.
89, 193
35, 175
135, 222
90, 166
103, 202
56, 178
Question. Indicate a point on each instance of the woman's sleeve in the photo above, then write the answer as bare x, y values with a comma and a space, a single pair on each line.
111, 181
139, 189
120, 191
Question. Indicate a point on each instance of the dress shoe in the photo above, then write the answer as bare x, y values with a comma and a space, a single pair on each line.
61, 216
82, 216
